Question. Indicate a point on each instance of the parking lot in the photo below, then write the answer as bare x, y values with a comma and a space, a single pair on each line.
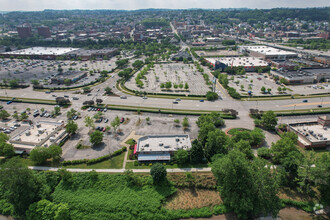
43, 70
158, 124
176, 73
254, 82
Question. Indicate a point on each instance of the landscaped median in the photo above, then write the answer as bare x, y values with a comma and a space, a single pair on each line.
313, 111
28, 100
167, 111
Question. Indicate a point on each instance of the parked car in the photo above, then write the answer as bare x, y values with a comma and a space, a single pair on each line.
105, 110
106, 120
122, 120
9, 102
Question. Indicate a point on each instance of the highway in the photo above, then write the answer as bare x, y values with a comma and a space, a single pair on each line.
226, 102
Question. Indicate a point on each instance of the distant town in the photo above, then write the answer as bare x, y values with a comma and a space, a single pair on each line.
228, 110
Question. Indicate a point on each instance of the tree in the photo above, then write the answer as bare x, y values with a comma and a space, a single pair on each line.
13, 83
214, 118
177, 122
72, 112
108, 90
216, 143
181, 156
19, 184
244, 147
15, 116
67, 82
115, 123
269, 120
138, 64
87, 89
248, 188
186, 86
148, 120
89, 122
158, 173
96, 137
196, 152
263, 89
99, 101
322, 178
269, 90
305, 176
57, 110
6, 149
55, 152
62, 101
204, 130
185, 123
71, 127
35, 82
211, 96
4, 114
39, 155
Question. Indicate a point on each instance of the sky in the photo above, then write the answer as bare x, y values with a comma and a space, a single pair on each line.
39, 5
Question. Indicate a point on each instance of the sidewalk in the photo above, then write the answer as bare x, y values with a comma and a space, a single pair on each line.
74, 170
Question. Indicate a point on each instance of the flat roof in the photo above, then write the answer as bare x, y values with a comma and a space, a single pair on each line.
43, 51
313, 132
268, 50
239, 61
163, 143
302, 73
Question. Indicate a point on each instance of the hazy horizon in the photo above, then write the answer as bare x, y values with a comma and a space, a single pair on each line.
40, 5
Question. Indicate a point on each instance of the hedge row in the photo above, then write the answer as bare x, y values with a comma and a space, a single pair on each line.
302, 113
96, 160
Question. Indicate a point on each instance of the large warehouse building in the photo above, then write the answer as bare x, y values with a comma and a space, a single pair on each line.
304, 76
249, 63
51, 53
267, 53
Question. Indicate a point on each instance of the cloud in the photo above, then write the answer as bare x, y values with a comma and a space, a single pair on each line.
37, 5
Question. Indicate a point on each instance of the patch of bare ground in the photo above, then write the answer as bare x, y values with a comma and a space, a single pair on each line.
190, 198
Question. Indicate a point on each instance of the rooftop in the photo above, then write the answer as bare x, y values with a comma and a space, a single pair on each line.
313, 132
239, 61
303, 72
268, 50
163, 143
43, 51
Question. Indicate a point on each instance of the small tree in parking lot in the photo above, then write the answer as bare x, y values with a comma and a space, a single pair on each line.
4, 114
115, 123
185, 123
71, 127
96, 137
99, 101
263, 89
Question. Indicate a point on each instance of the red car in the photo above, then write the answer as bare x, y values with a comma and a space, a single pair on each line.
104, 129
98, 109
122, 120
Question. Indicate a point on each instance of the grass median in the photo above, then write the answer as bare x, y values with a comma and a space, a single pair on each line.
166, 110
